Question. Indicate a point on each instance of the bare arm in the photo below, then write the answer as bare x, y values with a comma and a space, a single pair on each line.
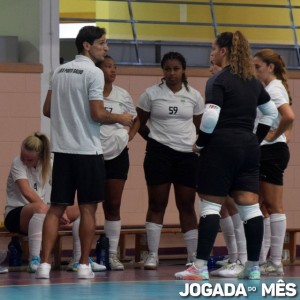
134, 129
101, 115
143, 117
197, 121
47, 104
287, 119
28, 192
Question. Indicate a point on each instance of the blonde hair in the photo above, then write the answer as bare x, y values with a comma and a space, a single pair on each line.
239, 53
39, 143
269, 56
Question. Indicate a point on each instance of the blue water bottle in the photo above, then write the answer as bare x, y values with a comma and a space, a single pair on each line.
102, 251
14, 252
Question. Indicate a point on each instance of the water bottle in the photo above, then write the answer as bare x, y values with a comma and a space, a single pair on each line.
14, 252
102, 251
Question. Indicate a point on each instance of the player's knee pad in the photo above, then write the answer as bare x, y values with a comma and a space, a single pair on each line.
209, 208
248, 212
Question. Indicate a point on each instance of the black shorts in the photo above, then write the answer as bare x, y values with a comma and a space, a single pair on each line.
12, 220
117, 168
274, 160
222, 170
165, 165
76, 172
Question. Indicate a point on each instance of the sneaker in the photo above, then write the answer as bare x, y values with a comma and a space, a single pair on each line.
193, 273
34, 263
270, 269
3, 270
229, 270
96, 267
85, 271
250, 273
151, 262
43, 271
72, 266
115, 263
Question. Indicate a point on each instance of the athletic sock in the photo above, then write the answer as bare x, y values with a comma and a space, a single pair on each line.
153, 231
240, 237
278, 229
35, 229
227, 228
254, 230
112, 230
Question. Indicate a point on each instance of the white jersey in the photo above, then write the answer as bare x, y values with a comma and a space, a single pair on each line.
72, 128
114, 137
171, 115
279, 96
18, 170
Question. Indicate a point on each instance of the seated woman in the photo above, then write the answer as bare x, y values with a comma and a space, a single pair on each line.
25, 193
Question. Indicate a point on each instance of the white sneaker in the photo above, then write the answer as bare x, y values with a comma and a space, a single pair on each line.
96, 267
115, 263
151, 262
85, 271
43, 271
193, 273
230, 270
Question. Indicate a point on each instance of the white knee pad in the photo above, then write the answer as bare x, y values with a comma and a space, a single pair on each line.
248, 212
209, 208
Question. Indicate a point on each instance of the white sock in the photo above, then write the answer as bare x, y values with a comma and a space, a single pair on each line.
226, 225
76, 240
112, 230
191, 240
278, 228
153, 231
265, 247
239, 233
199, 263
35, 229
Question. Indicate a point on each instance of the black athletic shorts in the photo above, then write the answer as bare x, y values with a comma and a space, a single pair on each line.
222, 170
117, 168
12, 220
84, 174
163, 164
274, 160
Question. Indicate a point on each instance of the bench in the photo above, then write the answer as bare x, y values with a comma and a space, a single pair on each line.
138, 231
290, 243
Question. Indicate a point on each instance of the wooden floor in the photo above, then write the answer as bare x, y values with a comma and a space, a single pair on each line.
131, 284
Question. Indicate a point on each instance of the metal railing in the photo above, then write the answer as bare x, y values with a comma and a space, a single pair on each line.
136, 41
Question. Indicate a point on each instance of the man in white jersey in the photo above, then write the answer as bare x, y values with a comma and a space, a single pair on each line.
74, 103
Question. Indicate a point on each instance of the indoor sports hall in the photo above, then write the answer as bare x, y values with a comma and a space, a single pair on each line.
37, 35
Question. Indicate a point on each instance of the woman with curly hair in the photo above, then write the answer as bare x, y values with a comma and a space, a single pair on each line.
229, 159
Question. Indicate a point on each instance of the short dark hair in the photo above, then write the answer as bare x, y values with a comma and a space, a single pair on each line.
88, 34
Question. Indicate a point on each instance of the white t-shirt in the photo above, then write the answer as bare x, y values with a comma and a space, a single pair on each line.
279, 96
171, 118
18, 170
72, 128
114, 137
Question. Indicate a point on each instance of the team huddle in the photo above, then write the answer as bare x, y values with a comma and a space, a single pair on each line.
231, 150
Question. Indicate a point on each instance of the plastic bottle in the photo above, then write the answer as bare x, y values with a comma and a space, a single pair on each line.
14, 252
102, 251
